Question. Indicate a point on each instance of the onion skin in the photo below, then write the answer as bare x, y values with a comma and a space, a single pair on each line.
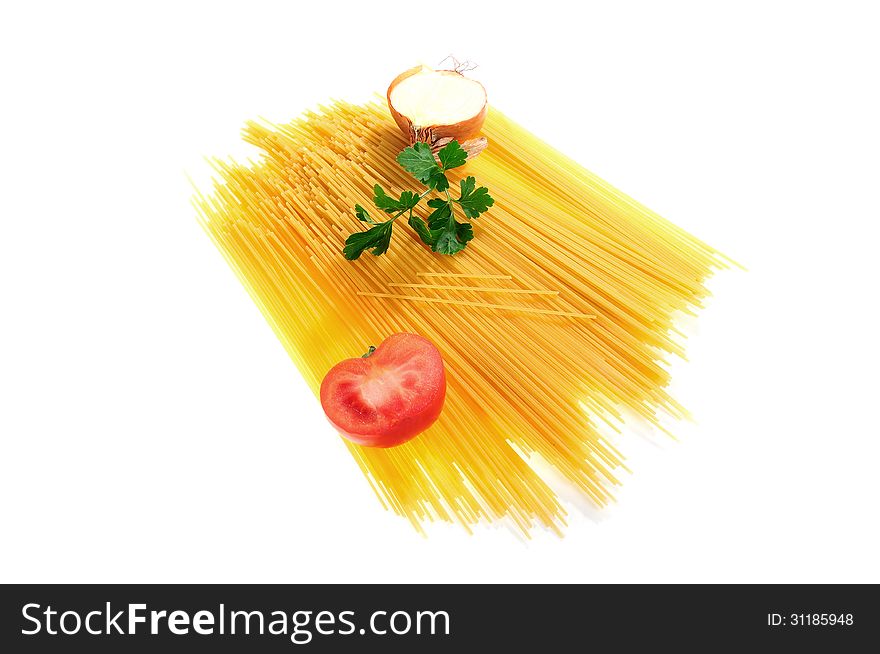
461, 131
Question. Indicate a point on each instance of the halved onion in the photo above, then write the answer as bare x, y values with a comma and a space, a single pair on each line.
436, 106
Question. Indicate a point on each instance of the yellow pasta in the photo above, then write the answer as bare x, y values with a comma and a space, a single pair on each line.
482, 305
485, 289
556, 316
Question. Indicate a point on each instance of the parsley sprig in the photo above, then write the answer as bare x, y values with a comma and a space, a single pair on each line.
441, 230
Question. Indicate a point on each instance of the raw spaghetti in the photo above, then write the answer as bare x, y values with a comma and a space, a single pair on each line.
556, 316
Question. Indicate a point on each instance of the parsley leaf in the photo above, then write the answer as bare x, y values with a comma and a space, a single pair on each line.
362, 214
448, 235
438, 181
452, 155
447, 243
464, 232
377, 238
409, 200
453, 241
474, 202
418, 161
422, 230
388, 204
441, 215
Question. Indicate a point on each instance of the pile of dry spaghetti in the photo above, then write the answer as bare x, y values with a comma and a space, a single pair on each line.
555, 317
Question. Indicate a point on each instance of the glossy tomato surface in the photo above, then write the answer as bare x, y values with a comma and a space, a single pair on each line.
388, 397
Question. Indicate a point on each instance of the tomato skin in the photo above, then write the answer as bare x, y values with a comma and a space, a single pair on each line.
388, 397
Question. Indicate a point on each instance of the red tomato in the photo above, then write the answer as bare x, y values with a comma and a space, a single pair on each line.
389, 396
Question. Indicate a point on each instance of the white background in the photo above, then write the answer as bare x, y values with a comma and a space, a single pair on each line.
153, 428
